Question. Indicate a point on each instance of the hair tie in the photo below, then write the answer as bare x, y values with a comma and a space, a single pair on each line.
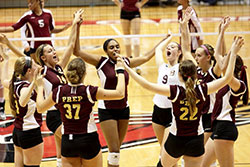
206, 50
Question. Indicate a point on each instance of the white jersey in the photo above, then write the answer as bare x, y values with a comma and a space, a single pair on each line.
194, 26
166, 75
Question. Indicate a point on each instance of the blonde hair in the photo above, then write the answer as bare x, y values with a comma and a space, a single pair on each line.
76, 70
22, 64
39, 53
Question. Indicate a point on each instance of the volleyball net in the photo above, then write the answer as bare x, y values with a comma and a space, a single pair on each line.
103, 21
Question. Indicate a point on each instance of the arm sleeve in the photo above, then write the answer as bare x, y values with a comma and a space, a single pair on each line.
91, 93
174, 92
22, 21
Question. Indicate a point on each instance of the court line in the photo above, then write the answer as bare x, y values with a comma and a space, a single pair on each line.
115, 29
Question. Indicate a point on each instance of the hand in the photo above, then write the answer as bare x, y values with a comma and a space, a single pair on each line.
38, 76
121, 5
138, 5
237, 44
3, 39
3, 55
66, 26
169, 35
27, 48
78, 16
119, 63
187, 15
224, 24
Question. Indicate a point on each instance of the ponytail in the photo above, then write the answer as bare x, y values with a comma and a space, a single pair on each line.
190, 94
12, 93
22, 65
243, 77
241, 74
188, 72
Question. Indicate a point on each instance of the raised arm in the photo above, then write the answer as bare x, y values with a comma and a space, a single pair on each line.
156, 88
42, 104
185, 36
25, 94
72, 38
5, 68
89, 58
13, 48
220, 83
221, 62
160, 49
137, 61
64, 28
119, 92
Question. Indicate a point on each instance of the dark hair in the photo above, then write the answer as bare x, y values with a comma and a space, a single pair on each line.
209, 51
240, 73
188, 72
105, 45
39, 53
76, 70
22, 64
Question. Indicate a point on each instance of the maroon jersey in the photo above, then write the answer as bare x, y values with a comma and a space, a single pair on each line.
107, 74
52, 79
38, 26
26, 117
129, 5
185, 124
75, 104
226, 101
206, 77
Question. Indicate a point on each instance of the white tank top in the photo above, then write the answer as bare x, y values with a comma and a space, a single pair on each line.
166, 75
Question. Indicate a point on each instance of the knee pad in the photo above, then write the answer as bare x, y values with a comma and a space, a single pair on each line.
127, 41
59, 162
136, 41
113, 158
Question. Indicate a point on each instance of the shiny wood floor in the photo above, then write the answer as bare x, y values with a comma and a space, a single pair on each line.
140, 100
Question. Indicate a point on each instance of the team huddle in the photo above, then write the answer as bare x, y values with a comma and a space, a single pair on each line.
196, 93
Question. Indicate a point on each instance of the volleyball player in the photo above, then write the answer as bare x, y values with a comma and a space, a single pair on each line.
26, 32
167, 74
40, 24
193, 24
80, 143
208, 68
112, 114
221, 144
27, 137
53, 70
131, 24
186, 133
